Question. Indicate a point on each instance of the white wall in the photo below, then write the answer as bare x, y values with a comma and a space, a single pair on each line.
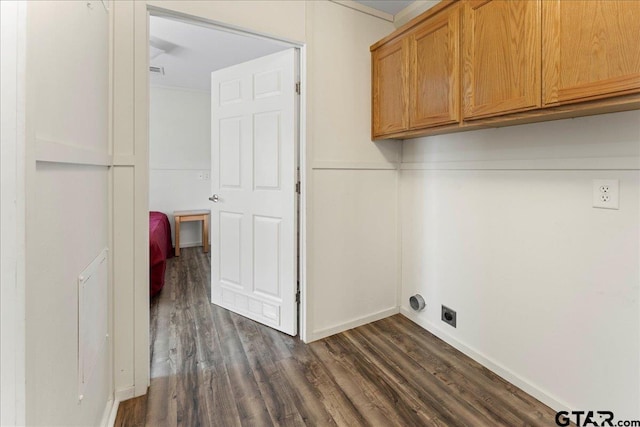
498, 225
12, 354
179, 154
352, 187
67, 223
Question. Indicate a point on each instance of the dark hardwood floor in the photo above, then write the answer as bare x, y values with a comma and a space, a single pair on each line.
211, 367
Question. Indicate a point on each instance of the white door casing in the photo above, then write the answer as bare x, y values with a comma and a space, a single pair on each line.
254, 174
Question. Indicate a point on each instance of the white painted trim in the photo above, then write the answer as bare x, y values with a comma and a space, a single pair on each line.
190, 244
586, 163
58, 152
124, 160
338, 165
399, 213
176, 169
109, 414
304, 327
113, 414
142, 357
323, 333
125, 394
112, 403
364, 9
530, 388
217, 25
12, 212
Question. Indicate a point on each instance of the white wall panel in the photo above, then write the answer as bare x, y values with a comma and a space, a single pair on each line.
340, 97
67, 222
12, 146
354, 260
353, 266
77, 60
123, 276
179, 156
67, 229
179, 129
501, 229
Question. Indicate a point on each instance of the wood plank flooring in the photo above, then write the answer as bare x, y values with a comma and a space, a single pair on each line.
211, 367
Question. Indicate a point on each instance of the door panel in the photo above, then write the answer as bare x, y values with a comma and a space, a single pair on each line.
267, 148
590, 49
389, 86
230, 243
501, 49
230, 170
435, 69
254, 246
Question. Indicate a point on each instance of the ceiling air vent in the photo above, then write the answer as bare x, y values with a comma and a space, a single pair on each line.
157, 70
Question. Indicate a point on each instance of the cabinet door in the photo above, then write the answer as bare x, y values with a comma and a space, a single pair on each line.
591, 49
435, 70
389, 87
501, 48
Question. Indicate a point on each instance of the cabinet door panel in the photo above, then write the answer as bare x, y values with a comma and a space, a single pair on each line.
435, 68
501, 48
389, 100
591, 49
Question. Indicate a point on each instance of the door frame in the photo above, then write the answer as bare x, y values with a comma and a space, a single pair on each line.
141, 142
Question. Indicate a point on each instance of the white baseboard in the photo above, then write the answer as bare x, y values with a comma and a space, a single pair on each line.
497, 368
190, 244
109, 414
125, 394
323, 333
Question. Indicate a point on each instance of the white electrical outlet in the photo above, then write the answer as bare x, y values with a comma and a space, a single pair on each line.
206, 175
606, 193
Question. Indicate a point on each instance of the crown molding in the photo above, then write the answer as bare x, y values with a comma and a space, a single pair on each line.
413, 10
364, 9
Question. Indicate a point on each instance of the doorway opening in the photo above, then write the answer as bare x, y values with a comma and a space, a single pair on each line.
193, 158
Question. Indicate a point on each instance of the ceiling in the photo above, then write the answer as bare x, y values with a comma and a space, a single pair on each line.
388, 6
190, 52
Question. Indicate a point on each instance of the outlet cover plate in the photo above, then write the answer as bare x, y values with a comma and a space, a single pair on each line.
448, 316
606, 193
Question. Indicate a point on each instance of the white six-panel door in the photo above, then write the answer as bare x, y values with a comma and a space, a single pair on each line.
253, 177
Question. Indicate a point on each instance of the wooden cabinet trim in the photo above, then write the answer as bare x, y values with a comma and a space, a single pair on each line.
530, 76
378, 127
413, 23
451, 21
621, 93
610, 87
553, 93
608, 105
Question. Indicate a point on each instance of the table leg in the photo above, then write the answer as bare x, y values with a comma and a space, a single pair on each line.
177, 222
205, 233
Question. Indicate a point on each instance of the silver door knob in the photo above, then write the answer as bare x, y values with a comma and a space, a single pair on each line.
214, 198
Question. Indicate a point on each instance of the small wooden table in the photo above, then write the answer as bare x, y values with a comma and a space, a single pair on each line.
197, 215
